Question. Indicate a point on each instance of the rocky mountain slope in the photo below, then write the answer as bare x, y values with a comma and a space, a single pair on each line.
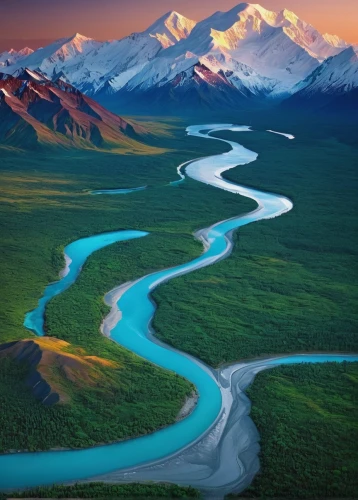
35, 111
333, 85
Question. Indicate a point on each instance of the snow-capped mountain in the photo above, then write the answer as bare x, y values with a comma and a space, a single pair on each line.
11, 57
259, 53
62, 55
170, 29
276, 45
89, 64
334, 83
194, 87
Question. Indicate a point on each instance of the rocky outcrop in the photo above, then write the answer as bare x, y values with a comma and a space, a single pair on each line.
55, 113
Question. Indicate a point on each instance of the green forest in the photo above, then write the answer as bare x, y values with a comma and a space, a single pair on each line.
307, 417
124, 403
45, 201
289, 285
102, 490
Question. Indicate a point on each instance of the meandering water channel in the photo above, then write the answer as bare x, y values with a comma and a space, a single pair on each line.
129, 325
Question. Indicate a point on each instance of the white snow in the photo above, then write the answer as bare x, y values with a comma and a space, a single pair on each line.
336, 73
276, 45
35, 75
11, 57
171, 28
239, 74
5, 92
335, 41
267, 52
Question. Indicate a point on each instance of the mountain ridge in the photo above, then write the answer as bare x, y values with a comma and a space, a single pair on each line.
35, 111
333, 84
261, 52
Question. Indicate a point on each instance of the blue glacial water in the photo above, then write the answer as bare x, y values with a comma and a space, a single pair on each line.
312, 358
176, 183
132, 331
77, 252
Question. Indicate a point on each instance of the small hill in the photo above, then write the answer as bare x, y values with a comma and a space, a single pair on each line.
36, 111
52, 364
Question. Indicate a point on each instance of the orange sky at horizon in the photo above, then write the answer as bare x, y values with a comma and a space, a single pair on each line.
44, 21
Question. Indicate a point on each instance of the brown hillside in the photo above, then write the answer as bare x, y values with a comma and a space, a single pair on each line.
35, 111
52, 363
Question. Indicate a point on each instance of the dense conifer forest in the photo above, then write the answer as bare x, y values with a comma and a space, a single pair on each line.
307, 418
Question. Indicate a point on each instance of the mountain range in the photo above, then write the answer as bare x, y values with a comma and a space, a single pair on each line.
241, 58
35, 111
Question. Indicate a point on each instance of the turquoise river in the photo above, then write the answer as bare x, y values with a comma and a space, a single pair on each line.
132, 330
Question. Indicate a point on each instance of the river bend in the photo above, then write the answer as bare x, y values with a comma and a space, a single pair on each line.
207, 429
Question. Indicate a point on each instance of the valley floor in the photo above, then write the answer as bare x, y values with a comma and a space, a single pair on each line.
288, 286
46, 201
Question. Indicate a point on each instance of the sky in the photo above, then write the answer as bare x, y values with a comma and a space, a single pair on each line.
38, 22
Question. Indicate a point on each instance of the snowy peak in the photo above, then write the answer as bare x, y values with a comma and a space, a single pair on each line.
253, 36
171, 28
58, 53
251, 23
332, 87
76, 44
17, 54
245, 14
335, 41
26, 51
248, 49
289, 16
79, 42
246, 10
9, 58
80, 38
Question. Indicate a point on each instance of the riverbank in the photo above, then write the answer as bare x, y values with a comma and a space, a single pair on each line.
248, 440
188, 406
288, 285
307, 419
210, 405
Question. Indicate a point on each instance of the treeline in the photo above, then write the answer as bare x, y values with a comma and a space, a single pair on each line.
103, 490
